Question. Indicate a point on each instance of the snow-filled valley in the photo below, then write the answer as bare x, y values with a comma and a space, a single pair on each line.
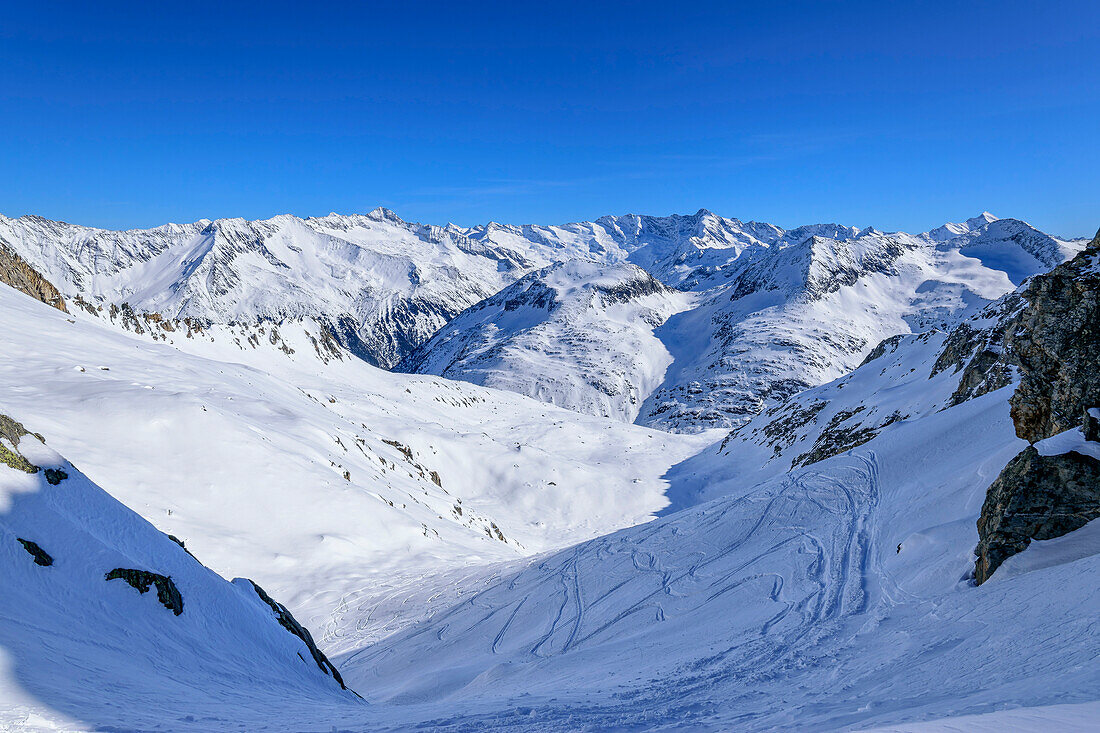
639, 473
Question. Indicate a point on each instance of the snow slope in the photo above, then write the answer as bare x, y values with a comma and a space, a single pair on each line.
322, 481
830, 596
1079, 718
578, 335
787, 605
906, 377
96, 650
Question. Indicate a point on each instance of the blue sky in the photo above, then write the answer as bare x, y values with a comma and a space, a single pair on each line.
900, 115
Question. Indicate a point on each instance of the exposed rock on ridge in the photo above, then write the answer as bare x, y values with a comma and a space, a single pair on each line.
1056, 343
167, 592
287, 621
11, 432
16, 272
1058, 348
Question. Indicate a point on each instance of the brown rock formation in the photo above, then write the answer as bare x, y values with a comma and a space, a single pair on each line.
16, 272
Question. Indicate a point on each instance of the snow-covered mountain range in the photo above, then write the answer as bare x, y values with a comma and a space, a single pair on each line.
649, 473
763, 312
383, 285
770, 312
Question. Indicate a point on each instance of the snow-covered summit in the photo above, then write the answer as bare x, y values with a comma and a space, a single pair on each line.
1016, 248
951, 230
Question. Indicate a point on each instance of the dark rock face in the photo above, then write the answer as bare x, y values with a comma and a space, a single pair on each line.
625, 292
1035, 497
886, 346
288, 622
16, 272
167, 592
179, 542
1057, 347
1092, 424
1055, 344
41, 557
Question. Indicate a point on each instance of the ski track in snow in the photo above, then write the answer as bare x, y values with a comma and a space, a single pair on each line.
838, 582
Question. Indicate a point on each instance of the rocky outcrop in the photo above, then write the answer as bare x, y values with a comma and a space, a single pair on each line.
982, 349
287, 621
16, 272
1057, 347
11, 432
1092, 424
838, 437
1036, 497
1055, 343
167, 592
886, 346
41, 557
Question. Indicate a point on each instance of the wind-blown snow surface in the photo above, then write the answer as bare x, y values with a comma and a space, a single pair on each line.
578, 335
830, 596
787, 605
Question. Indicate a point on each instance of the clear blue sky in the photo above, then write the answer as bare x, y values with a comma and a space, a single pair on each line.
900, 115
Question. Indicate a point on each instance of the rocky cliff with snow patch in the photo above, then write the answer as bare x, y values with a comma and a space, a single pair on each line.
1053, 486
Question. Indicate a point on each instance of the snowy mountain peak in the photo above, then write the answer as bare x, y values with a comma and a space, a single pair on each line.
951, 230
381, 213
1015, 247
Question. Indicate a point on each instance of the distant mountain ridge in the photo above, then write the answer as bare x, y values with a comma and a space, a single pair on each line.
773, 311
382, 284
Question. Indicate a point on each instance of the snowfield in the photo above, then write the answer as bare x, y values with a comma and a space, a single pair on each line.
95, 650
543, 531
248, 466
